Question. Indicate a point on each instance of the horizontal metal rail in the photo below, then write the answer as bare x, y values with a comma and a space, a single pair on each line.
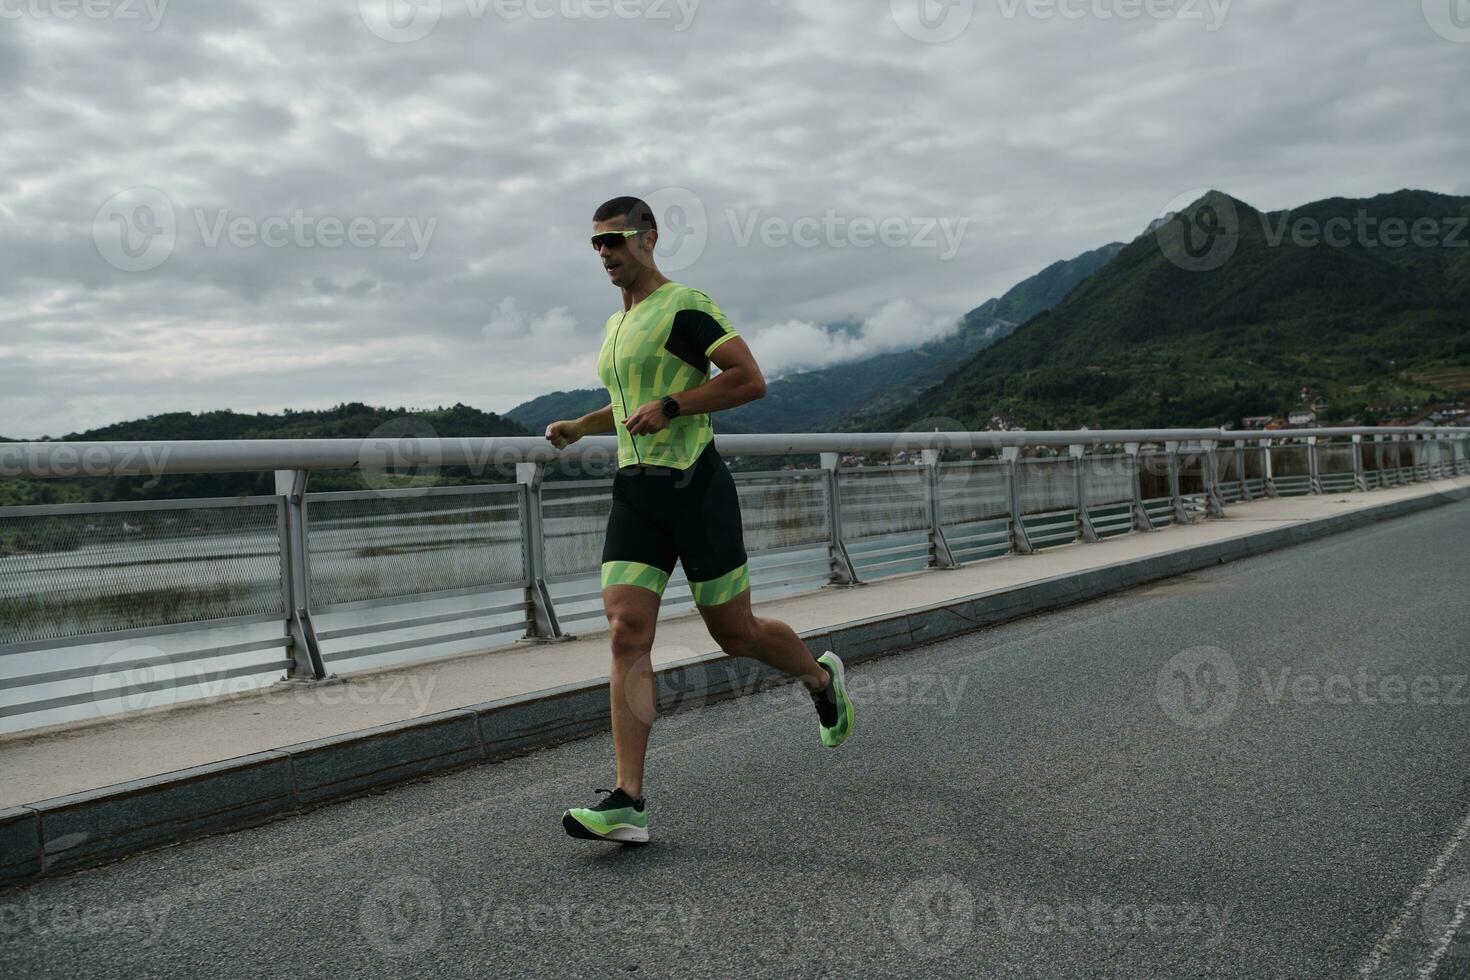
155, 458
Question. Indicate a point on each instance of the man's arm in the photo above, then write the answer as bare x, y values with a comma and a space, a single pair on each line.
739, 381
563, 434
596, 423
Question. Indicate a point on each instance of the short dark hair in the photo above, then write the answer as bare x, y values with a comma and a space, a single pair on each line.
637, 212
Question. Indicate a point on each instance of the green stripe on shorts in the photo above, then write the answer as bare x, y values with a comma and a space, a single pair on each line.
722, 589
634, 573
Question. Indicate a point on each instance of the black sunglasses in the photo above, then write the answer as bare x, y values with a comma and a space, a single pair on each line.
613, 239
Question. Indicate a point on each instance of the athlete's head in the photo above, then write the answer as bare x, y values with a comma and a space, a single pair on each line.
625, 257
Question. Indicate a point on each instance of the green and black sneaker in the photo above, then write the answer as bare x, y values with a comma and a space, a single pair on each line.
618, 817
834, 707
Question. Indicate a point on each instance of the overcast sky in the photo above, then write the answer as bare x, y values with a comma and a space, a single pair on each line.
234, 204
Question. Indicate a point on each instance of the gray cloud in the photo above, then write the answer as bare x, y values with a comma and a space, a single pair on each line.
1042, 136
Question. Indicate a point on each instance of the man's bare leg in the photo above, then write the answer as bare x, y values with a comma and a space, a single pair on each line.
632, 616
741, 633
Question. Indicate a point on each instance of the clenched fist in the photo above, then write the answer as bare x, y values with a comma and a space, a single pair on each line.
563, 434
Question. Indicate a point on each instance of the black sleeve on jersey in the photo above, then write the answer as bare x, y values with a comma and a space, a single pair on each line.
690, 336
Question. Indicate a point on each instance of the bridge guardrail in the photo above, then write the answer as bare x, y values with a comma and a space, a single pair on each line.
113, 606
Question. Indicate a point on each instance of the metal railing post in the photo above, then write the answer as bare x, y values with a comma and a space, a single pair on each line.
1462, 450
842, 570
940, 555
1245, 485
1268, 474
1214, 505
1360, 475
1141, 520
1020, 540
1314, 472
1181, 516
1085, 529
306, 653
1381, 452
543, 625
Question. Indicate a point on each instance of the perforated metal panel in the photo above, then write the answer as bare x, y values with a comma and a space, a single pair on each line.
1153, 475
574, 522
401, 543
782, 511
1287, 461
883, 500
1255, 463
1108, 479
1191, 473
971, 492
113, 568
1045, 485
1229, 461
1336, 458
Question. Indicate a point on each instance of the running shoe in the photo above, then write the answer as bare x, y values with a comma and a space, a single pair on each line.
834, 707
618, 817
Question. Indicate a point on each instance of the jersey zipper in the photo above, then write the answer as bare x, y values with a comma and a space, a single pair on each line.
622, 395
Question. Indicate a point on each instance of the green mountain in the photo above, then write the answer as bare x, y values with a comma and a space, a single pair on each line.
347, 421
822, 400
1162, 337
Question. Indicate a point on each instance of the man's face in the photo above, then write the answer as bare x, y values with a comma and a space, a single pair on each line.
627, 259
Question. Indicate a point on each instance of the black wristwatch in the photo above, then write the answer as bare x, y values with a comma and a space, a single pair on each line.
671, 407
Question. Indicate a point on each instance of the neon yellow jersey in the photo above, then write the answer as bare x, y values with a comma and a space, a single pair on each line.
661, 347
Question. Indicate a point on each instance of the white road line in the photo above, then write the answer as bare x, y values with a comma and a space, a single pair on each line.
1374, 959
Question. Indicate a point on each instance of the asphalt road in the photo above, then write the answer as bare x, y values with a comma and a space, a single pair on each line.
1258, 770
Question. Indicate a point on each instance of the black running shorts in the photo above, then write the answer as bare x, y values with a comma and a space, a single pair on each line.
661, 515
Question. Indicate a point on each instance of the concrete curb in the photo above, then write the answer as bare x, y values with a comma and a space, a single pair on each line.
101, 825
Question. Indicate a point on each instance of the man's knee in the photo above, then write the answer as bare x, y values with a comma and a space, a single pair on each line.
632, 634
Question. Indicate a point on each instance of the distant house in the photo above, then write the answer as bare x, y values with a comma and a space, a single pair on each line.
1275, 424
1255, 421
1001, 423
1301, 418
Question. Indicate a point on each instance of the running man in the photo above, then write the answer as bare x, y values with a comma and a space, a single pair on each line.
673, 499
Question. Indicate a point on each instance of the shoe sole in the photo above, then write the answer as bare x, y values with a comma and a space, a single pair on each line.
621, 834
840, 672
